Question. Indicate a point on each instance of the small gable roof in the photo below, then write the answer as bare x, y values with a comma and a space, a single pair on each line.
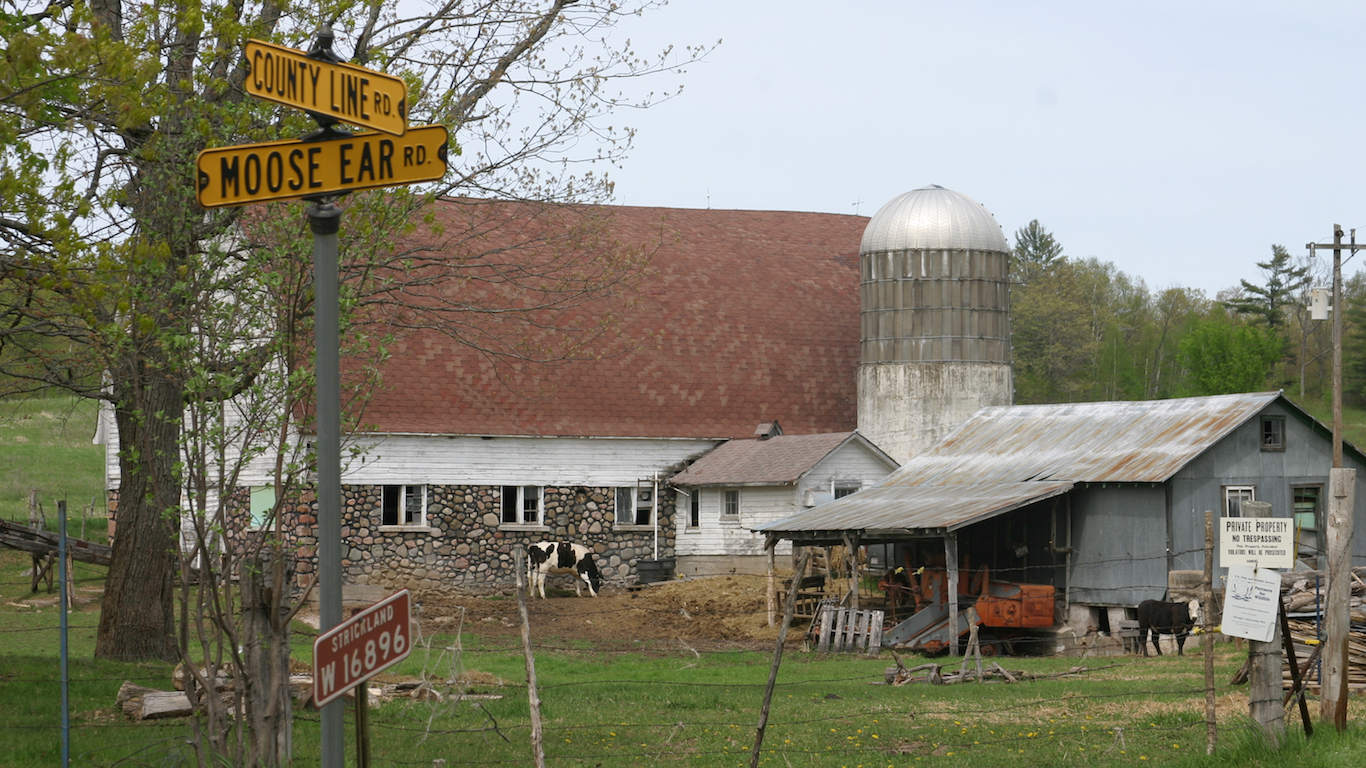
1007, 457
743, 316
781, 460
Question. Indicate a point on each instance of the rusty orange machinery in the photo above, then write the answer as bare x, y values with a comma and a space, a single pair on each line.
999, 604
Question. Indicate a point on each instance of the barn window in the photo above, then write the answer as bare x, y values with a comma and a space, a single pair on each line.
1273, 433
1234, 496
522, 504
636, 504
404, 505
695, 508
845, 490
730, 504
1306, 506
262, 505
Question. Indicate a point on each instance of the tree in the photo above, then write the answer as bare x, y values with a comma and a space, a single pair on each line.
1054, 343
1223, 356
1267, 303
115, 285
1036, 252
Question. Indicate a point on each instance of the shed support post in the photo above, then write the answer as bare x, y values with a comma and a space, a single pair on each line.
951, 568
771, 546
851, 544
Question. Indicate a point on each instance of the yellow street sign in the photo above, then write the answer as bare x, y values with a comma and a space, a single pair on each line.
346, 92
281, 170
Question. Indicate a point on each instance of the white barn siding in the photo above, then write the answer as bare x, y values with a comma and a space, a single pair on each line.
758, 504
849, 467
547, 461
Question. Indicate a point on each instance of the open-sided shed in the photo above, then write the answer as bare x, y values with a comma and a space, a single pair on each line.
1099, 500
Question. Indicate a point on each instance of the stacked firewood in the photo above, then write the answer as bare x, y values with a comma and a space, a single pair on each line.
1303, 593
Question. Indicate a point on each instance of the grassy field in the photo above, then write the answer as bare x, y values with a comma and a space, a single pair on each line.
654, 704
45, 446
669, 705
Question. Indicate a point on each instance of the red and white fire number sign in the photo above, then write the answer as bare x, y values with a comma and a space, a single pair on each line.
361, 647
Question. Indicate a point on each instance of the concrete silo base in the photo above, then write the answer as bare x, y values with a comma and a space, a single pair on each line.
905, 408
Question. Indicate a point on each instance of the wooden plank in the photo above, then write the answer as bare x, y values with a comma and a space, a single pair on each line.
875, 637
827, 622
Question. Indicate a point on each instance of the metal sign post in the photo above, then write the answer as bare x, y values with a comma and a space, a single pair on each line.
326, 164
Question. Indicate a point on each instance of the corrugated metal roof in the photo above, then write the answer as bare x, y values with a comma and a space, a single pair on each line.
931, 507
933, 218
776, 461
1140, 442
1007, 456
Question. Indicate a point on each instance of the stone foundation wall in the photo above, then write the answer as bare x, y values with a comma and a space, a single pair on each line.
464, 550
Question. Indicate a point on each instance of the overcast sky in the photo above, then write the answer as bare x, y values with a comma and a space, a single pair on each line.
1178, 140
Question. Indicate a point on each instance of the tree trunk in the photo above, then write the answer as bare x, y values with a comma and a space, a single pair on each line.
137, 620
266, 634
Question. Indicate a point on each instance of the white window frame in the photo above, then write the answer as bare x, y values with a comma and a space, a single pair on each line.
1236, 492
520, 499
842, 488
403, 519
725, 512
688, 509
261, 505
631, 503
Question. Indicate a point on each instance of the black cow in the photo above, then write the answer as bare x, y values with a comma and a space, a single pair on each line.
1166, 619
562, 557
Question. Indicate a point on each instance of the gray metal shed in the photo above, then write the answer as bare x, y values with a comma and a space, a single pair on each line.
1101, 500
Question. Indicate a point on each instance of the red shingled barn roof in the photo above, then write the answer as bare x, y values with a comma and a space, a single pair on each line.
743, 317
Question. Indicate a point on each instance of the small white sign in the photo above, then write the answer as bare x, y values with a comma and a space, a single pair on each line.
1250, 601
1265, 542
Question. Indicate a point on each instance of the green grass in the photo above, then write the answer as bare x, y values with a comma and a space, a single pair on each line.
666, 705
651, 705
45, 445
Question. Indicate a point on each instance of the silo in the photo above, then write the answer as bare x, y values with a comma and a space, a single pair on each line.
935, 306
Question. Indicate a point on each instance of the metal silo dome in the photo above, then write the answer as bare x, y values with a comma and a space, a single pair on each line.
933, 218
934, 296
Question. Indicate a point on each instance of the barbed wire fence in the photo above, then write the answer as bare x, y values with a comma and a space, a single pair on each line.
826, 706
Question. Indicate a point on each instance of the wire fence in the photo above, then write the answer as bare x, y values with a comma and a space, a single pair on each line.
690, 700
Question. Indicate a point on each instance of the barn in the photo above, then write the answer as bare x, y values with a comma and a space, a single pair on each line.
740, 318
1101, 501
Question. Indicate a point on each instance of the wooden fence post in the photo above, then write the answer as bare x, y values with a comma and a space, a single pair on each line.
533, 696
790, 608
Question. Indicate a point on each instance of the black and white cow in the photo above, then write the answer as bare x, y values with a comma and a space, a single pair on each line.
1166, 619
562, 557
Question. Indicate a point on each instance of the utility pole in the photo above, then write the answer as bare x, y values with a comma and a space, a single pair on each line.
1341, 504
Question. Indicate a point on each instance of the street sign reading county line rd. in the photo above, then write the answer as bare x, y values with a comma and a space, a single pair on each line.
281, 170
346, 92
362, 646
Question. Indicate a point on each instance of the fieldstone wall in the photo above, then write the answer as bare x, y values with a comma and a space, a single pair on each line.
463, 549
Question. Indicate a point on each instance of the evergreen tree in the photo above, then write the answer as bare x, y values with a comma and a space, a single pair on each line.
1267, 302
1036, 252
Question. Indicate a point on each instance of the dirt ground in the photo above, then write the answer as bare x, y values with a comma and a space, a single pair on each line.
702, 614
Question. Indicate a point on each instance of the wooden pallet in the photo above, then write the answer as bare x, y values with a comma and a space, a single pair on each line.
848, 631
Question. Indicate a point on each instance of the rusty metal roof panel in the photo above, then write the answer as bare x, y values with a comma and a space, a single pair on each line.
1141, 442
1005, 457
886, 508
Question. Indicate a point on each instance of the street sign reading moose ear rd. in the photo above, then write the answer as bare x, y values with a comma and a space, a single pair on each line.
281, 170
345, 92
